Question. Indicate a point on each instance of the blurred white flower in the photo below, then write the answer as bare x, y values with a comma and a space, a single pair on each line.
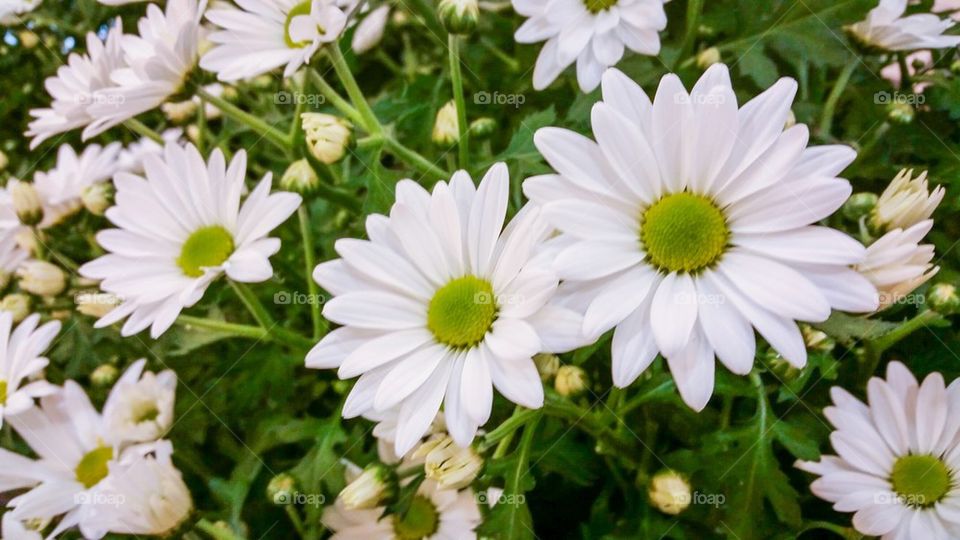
131, 158
179, 229
368, 489
897, 263
370, 30
14, 529
62, 187
41, 278
11, 10
906, 202
20, 359
886, 28
140, 405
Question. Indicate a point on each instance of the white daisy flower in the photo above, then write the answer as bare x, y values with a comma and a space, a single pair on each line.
60, 188
689, 224
886, 28
74, 86
592, 33
158, 63
11, 10
20, 359
265, 34
12, 256
433, 513
906, 202
438, 306
897, 457
181, 227
140, 405
897, 263
385, 432
131, 158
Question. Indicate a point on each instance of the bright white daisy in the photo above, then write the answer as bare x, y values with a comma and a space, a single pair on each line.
689, 224
11, 10
437, 307
433, 513
265, 34
21, 351
592, 33
60, 188
897, 263
886, 28
181, 227
74, 86
897, 458
140, 405
158, 64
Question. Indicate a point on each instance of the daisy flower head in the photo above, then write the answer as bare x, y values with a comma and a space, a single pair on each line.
897, 457
438, 307
689, 223
886, 28
906, 202
21, 350
263, 35
140, 405
433, 513
158, 63
73, 88
180, 227
60, 189
11, 10
592, 33
897, 263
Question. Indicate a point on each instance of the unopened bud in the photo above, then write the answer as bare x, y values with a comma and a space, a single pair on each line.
817, 340
482, 128
547, 365
327, 136
943, 298
708, 57
300, 178
451, 466
860, 205
368, 490
42, 278
104, 375
95, 303
180, 111
446, 128
901, 113
17, 304
670, 492
98, 197
4, 160
26, 202
459, 16
282, 488
570, 381
29, 39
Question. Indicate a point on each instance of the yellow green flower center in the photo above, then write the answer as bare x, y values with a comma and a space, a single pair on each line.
303, 8
921, 480
462, 312
147, 413
3, 392
420, 520
683, 232
209, 246
93, 466
596, 6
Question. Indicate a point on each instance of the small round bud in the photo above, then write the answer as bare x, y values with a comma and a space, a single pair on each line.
482, 128
459, 16
26, 202
547, 365
450, 465
263, 81
28, 39
817, 340
446, 128
193, 133
943, 298
708, 57
859, 205
300, 178
374, 485
570, 381
26, 240
4, 160
327, 136
901, 113
17, 304
42, 278
670, 492
179, 112
282, 489
98, 197
104, 375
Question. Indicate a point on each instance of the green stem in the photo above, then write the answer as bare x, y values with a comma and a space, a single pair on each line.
369, 119
513, 482
559, 407
238, 330
826, 120
665, 389
334, 98
512, 65
906, 81
694, 8
842, 532
875, 348
294, 516
425, 10
230, 110
253, 304
141, 129
520, 417
456, 77
219, 533
309, 260
202, 126
419, 162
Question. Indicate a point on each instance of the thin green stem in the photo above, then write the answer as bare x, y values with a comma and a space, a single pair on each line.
425, 10
334, 98
693, 16
906, 81
202, 126
456, 78
419, 162
520, 417
309, 260
233, 112
369, 119
219, 533
875, 348
842, 532
508, 60
826, 120
294, 516
238, 330
253, 304
141, 129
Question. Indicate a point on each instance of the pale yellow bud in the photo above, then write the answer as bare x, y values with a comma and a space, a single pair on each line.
180, 111
104, 375
17, 304
95, 303
708, 57
300, 178
670, 492
547, 365
327, 136
98, 197
26, 202
446, 129
29, 39
42, 278
906, 202
459, 16
570, 381
4, 160
369, 489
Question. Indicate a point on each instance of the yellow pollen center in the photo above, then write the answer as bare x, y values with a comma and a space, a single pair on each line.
921, 480
209, 246
683, 232
462, 312
93, 466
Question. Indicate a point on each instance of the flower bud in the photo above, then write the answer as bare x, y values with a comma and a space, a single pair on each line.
4, 160
327, 136
26, 240
906, 202
104, 375
943, 298
859, 205
28, 39
96, 303
17, 304
446, 129
459, 16
708, 57
98, 197
547, 365
180, 111
368, 490
282, 489
670, 492
451, 466
817, 340
791, 120
42, 278
300, 178
570, 381
901, 113
482, 128
26, 202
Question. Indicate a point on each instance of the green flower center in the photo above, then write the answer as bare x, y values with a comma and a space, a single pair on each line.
147, 413
683, 232
93, 466
420, 521
921, 480
596, 6
303, 8
3, 392
209, 246
462, 311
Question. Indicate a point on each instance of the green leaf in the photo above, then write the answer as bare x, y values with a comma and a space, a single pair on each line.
848, 329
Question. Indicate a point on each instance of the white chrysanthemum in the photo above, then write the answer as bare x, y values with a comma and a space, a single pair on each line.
12, 256
131, 158
433, 513
158, 63
60, 188
886, 28
74, 86
592, 33
439, 306
21, 350
897, 457
690, 222
140, 405
906, 202
11, 10
179, 229
265, 34
897, 263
